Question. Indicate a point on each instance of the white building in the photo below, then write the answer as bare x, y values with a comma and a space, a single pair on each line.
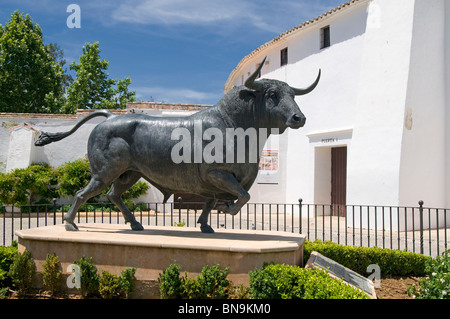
376, 130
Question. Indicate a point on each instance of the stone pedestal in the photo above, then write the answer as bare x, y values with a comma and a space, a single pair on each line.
116, 247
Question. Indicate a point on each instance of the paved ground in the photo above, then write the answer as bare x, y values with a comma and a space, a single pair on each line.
323, 228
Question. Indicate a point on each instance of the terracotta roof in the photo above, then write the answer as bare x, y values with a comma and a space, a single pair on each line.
166, 106
287, 33
130, 106
83, 112
26, 125
37, 115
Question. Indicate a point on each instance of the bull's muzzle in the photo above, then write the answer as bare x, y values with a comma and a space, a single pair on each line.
296, 121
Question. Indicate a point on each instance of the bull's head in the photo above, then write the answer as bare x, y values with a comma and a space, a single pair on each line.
279, 100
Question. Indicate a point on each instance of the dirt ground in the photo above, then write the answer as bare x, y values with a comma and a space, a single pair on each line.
395, 287
390, 288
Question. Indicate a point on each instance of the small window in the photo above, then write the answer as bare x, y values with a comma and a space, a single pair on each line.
284, 56
325, 37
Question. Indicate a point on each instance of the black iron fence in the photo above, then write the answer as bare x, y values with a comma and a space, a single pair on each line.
418, 229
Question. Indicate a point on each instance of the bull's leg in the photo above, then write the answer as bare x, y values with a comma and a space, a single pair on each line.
94, 188
229, 184
203, 219
122, 184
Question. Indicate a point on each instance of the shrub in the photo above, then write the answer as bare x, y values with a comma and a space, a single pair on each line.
138, 189
292, 282
73, 176
191, 288
436, 285
391, 262
89, 277
212, 283
127, 281
23, 186
171, 285
112, 286
41, 183
22, 271
51, 273
7, 255
109, 286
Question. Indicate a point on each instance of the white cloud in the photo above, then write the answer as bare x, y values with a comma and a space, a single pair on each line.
176, 95
267, 15
174, 12
213, 13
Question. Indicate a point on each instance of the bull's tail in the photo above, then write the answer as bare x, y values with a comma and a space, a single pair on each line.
47, 138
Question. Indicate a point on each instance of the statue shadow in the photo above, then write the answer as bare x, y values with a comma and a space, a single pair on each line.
195, 233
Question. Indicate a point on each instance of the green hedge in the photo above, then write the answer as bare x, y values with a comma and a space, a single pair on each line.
391, 262
40, 183
292, 282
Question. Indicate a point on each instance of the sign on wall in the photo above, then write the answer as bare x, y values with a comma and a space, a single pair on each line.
268, 167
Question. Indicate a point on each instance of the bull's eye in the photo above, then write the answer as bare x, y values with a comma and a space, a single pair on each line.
273, 96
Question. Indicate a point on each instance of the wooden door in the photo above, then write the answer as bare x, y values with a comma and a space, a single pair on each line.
339, 180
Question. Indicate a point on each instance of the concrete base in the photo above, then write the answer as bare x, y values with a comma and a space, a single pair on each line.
116, 247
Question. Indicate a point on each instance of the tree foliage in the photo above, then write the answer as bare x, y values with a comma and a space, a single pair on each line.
92, 88
33, 78
30, 79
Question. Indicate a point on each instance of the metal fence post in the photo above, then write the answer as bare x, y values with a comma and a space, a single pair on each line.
421, 225
179, 209
54, 211
300, 201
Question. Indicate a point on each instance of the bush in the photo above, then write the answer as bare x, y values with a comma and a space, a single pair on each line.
212, 283
51, 273
112, 286
391, 262
73, 176
22, 271
7, 255
292, 282
127, 280
23, 186
89, 278
109, 286
436, 285
170, 283
41, 183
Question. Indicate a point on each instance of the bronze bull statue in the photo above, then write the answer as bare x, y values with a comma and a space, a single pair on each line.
124, 148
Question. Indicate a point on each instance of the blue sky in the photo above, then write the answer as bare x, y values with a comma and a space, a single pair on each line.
177, 51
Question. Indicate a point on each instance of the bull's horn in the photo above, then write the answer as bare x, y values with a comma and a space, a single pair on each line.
250, 83
308, 89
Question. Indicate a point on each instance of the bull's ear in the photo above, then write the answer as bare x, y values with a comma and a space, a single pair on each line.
247, 95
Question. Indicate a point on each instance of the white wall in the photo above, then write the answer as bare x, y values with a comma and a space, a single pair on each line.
374, 158
21, 148
447, 84
423, 145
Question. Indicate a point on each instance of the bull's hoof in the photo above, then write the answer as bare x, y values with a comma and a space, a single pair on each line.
228, 209
70, 226
136, 226
206, 229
